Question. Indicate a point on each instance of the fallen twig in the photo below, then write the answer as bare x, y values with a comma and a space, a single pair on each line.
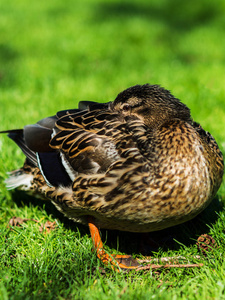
168, 259
17, 221
47, 227
152, 266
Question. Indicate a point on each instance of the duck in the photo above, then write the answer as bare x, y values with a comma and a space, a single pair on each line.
139, 164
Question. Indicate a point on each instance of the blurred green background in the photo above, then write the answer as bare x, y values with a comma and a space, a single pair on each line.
55, 53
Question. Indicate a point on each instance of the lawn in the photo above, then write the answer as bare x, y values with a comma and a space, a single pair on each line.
55, 53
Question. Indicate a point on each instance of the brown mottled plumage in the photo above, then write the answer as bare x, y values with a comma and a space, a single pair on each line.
137, 164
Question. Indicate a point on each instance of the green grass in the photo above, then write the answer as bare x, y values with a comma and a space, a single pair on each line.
55, 53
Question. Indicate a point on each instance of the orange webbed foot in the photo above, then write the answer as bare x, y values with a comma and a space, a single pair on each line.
120, 261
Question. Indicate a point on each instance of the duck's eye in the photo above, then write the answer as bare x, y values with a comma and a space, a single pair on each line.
126, 107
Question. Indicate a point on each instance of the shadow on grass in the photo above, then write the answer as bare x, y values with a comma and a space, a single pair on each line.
135, 243
22, 199
176, 15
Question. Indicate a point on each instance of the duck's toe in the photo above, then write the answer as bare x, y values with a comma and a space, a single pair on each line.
119, 261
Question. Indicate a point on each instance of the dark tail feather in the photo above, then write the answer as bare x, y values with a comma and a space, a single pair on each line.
17, 136
12, 130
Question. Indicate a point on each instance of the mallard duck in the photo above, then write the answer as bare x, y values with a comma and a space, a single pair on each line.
138, 164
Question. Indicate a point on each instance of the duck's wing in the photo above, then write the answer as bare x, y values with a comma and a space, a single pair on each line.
72, 142
86, 140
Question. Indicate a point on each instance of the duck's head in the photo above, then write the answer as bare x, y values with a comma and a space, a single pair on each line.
151, 103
